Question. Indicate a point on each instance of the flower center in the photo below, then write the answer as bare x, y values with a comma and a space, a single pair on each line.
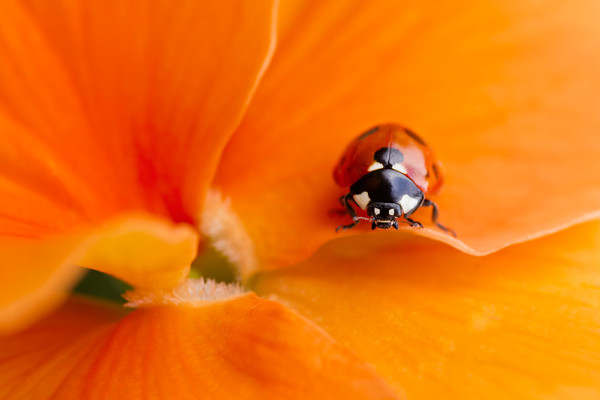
226, 255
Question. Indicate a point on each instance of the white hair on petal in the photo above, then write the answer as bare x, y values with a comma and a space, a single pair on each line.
226, 233
191, 291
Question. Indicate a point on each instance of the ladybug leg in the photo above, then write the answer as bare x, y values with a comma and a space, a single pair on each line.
339, 211
434, 216
413, 223
345, 200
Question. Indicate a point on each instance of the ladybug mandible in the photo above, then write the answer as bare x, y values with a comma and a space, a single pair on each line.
389, 170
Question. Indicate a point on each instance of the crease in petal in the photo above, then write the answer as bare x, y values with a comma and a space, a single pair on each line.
521, 323
503, 93
240, 348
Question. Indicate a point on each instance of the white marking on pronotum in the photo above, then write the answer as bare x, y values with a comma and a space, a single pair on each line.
399, 168
391, 211
375, 166
376, 211
362, 200
408, 203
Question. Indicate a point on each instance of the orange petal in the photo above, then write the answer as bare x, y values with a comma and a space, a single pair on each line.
520, 323
111, 106
242, 348
37, 273
504, 92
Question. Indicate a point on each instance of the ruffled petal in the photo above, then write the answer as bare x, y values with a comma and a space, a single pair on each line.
522, 323
145, 251
504, 93
241, 348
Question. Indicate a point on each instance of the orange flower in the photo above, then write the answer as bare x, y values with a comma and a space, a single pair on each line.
131, 130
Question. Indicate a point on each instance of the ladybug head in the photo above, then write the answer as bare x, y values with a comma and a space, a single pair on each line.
383, 215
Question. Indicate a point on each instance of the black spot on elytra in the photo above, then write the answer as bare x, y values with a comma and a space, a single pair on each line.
434, 168
388, 156
369, 132
415, 136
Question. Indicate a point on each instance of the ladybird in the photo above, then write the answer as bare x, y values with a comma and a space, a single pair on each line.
390, 170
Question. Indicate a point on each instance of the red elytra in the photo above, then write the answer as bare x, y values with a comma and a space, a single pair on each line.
419, 161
